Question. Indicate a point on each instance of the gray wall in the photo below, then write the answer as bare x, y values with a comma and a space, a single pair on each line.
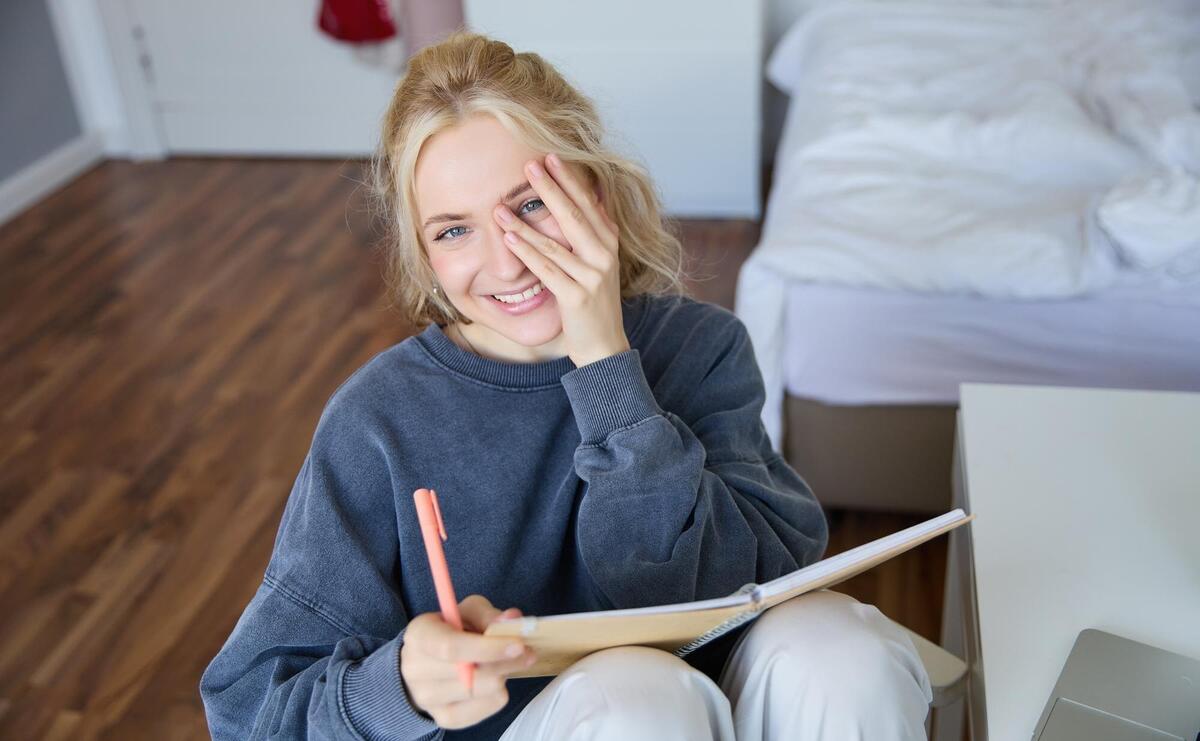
37, 114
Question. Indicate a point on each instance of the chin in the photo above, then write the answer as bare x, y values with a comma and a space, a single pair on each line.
531, 331
537, 328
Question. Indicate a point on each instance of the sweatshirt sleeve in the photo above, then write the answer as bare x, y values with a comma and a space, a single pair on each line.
688, 506
316, 653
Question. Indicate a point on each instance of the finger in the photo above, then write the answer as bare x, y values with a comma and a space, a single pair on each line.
469, 712
576, 187
571, 263
616, 230
447, 643
448, 672
569, 214
432, 670
434, 692
510, 613
564, 287
477, 611
511, 666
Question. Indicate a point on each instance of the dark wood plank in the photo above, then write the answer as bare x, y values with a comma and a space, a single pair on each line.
170, 332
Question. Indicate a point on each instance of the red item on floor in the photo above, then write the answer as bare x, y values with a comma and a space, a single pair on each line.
356, 20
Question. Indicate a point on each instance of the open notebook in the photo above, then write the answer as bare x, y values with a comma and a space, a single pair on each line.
561, 640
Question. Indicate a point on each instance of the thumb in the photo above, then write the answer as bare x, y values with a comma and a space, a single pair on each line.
508, 614
477, 612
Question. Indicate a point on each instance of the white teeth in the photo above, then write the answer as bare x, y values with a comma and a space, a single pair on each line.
516, 298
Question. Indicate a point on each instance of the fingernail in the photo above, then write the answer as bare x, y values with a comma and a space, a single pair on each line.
535, 169
514, 650
504, 214
553, 159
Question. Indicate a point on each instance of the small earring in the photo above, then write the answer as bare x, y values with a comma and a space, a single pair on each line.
435, 288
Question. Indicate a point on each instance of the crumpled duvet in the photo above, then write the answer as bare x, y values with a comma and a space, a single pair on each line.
1036, 149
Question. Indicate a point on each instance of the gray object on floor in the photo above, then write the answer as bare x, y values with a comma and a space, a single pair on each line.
1113, 688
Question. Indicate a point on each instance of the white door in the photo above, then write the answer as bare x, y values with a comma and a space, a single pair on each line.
235, 77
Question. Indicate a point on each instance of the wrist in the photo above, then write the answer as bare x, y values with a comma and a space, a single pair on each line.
608, 395
404, 685
594, 354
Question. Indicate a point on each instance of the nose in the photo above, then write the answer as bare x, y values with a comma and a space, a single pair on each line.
501, 261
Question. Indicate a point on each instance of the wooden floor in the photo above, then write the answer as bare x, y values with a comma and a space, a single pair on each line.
170, 333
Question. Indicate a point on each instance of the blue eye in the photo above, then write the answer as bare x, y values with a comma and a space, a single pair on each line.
445, 232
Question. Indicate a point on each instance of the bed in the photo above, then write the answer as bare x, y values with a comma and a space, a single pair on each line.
970, 191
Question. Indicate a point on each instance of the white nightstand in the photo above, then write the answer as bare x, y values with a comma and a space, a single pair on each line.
1087, 503
678, 83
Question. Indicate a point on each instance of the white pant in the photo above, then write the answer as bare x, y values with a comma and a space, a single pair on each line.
820, 666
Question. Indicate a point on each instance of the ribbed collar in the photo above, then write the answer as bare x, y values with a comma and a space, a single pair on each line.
516, 375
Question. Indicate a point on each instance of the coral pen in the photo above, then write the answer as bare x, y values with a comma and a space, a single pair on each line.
433, 530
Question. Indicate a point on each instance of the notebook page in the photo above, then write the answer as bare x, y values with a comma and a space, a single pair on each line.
834, 564
751, 593
736, 599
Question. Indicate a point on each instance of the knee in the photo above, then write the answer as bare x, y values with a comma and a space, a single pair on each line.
631, 665
833, 645
634, 689
638, 672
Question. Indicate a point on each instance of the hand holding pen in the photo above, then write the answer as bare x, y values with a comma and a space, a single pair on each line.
452, 672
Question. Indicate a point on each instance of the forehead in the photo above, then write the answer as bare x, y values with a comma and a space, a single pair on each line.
468, 167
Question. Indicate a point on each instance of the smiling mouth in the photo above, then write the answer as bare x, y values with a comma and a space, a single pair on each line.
520, 296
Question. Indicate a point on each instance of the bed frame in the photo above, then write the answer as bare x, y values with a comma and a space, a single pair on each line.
889, 458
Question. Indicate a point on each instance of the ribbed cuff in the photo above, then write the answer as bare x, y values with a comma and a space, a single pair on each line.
377, 702
609, 394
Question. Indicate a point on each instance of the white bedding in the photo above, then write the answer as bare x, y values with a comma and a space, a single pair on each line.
851, 346
1028, 150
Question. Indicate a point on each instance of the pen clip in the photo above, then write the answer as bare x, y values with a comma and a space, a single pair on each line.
437, 513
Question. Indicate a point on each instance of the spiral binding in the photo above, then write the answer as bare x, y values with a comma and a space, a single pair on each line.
724, 627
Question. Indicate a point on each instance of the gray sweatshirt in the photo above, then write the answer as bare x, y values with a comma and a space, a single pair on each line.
645, 478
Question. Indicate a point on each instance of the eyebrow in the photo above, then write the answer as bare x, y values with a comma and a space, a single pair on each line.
516, 191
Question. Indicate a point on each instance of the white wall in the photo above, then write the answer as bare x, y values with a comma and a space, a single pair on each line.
684, 99
112, 108
37, 114
44, 141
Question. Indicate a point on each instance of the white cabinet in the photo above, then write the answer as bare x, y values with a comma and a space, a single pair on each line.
1086, 508
677, 84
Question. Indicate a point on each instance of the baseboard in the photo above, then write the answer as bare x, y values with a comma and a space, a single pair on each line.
48, 174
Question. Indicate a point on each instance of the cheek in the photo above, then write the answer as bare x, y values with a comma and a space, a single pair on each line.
453, 271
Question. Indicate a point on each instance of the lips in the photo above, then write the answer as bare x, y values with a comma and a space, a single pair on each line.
523, 307
512, 292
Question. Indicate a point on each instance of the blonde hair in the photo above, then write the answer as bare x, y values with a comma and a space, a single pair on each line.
468, 74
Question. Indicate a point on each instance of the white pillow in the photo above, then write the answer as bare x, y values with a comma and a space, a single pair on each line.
783, 65
1154, 220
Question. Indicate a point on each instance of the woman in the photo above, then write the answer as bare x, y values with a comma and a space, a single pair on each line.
595, 441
